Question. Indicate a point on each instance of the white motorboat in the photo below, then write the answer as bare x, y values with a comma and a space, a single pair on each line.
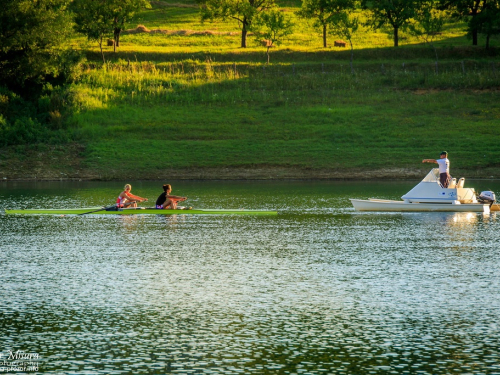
429, 195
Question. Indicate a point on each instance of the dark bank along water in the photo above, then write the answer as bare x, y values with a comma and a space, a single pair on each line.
318, 289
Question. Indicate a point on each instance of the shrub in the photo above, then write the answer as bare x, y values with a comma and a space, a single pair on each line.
28, 122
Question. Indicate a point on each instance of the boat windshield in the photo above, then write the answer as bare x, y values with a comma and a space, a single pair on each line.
432, 176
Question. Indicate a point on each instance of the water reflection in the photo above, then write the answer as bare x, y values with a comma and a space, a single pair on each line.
171, 221
130, 223
313, 290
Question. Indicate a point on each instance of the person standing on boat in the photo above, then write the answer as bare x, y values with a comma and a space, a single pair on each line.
167, 201
444, 168
128, 200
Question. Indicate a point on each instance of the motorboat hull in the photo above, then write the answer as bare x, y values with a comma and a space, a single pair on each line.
430, 196
401, 206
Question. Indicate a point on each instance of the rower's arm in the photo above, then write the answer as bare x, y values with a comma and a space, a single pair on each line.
429, 161
176, 197
135, 197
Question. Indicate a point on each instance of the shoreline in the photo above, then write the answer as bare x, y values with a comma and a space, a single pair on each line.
59, 163
261, 173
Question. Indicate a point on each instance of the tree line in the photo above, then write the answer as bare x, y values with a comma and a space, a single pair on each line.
32, 33
339, 16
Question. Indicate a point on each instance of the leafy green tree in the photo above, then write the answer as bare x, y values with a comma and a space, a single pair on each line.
94, 19
396, 13
31, 39
243, 11
122, 11
98, 18
467, 10
272, 26
322, 11
345, 25
428, 23
487, 22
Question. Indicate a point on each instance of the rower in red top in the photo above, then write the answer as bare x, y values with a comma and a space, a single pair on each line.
167, 201
128, 200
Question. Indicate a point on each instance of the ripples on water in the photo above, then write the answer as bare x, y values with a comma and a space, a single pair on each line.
318, 290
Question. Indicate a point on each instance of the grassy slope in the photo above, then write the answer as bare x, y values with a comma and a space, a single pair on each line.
349, 132
170, 104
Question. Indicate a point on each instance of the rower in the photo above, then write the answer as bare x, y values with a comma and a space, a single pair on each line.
167, 201
128, 200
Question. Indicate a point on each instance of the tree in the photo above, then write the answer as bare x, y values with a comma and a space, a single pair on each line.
345, 26
397, 13
322, 12
428, 23
487, 22
122, 12
243, 11
272, 26
98, 18
94, 19
467, 10
31, 35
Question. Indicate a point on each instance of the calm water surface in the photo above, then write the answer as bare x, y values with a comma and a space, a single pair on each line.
318, 289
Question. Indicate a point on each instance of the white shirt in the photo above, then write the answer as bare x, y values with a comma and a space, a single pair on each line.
444, 165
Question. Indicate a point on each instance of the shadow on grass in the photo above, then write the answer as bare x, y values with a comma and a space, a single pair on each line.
448, 49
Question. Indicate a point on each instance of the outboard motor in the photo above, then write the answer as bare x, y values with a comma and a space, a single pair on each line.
487, 197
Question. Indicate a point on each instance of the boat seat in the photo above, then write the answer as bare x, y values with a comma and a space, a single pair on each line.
460, 183
453, 184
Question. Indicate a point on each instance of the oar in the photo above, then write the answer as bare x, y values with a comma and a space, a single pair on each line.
100, 209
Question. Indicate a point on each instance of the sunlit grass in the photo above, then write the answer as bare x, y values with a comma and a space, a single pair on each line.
192, 81
305, 35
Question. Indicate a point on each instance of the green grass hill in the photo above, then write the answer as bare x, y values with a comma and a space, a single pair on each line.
181, 99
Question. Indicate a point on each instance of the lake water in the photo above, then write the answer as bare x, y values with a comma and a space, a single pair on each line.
317, 289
